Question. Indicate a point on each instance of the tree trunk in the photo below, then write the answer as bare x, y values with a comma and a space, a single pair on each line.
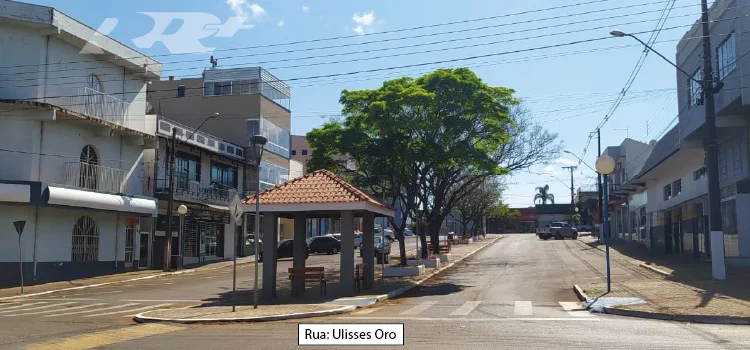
434, 229
401, 246
422, 241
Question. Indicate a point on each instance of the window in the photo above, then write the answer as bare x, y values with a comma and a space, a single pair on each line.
224, 175
676, 187
699, 173
88, 172
294, 152
695, 93
187, 167
726, 56
181, 91
304, 152
667, 192
729, 220
94, 83
85, 240
217, 88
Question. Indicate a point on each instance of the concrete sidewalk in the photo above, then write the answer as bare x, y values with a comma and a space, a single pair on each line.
286, 307
673, 287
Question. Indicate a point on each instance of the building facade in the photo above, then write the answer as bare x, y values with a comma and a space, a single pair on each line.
73, 135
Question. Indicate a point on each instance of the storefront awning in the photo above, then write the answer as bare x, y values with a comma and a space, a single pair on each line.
55, 195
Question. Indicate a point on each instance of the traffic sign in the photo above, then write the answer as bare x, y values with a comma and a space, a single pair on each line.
236, 210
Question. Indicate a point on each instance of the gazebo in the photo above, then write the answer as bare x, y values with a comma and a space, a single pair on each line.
318, 194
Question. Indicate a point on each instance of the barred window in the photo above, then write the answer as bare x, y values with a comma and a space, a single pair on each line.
695, 93
726, 55
85, 240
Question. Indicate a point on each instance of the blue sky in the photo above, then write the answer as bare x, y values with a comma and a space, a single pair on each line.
568, 89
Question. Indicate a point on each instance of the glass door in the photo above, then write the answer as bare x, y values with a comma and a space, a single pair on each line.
143, 254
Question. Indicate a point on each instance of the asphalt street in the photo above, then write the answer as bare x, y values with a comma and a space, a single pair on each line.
514, 294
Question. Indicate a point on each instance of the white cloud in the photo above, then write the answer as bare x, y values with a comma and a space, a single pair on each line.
364, 21
549, 169
242, 8
304, 8
280, 23
566, 162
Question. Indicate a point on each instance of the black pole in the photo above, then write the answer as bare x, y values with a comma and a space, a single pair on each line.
170, 203
712, 153
599, 183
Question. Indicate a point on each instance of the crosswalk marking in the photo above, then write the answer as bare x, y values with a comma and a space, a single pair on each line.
523, 308
36, 308
419, 308
18, 306
87, 311
575, 309
24, 313
466, 308
131, 311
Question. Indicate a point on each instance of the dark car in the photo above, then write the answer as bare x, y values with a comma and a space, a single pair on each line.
324, 244
380, 246
285, 249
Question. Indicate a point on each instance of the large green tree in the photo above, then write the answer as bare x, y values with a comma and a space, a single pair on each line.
424, 143
481, 201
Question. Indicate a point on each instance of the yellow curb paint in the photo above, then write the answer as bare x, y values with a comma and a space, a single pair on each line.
103, 338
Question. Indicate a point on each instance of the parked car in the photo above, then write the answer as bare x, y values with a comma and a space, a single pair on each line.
583, 228
382, 246
558, 230
408, 233
357, 239
324, 244
285, 249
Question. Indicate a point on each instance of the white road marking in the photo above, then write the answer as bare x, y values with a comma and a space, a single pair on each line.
367, 311
18, 306
523, 308
419, 308
66, 299
38, 307
98, 293
466, 308
49, 311
162, 300
87, 311
128, 311
499, 319
575, 309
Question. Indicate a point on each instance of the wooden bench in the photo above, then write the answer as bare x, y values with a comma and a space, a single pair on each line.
360, 274
443, 248
313, 274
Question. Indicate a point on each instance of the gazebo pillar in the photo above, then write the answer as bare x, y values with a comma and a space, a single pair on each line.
270, 241
300, 237
368, 247
347, 254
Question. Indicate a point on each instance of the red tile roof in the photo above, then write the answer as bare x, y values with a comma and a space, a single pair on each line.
318, 187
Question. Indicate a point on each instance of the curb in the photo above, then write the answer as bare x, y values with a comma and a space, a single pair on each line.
142, 318
579, 293
710, 319
653, 269
173, 273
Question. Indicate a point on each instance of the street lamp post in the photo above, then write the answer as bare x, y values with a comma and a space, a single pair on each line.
257, 143
605, 166
182, 210
709, 89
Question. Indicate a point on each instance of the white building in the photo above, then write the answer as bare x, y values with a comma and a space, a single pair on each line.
72, 136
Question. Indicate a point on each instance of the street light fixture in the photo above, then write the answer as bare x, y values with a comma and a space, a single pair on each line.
257, 143
182, 210
579, 158
605, 166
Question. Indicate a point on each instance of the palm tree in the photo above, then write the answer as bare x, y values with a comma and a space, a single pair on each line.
544, 195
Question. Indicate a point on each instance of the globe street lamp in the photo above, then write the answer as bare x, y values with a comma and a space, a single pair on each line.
605, 165
182, 210
257, 142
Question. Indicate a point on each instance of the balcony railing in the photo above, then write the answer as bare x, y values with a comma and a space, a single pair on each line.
94, 177
98, 105
196, 191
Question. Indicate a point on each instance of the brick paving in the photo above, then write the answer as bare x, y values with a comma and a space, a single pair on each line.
689, 290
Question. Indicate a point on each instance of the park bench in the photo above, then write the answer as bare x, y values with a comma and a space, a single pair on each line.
443, 248
312, 274
360, 273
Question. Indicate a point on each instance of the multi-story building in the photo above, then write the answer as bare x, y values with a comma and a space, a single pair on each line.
728, 23
250, 101
72, 137
629, 158
301, 151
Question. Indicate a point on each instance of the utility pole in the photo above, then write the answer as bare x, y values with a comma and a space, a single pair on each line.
599, 183
712, 155
170, 203
572, 189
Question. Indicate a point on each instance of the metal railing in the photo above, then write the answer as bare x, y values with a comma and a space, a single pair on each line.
94, 177
98, 105
193, 189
